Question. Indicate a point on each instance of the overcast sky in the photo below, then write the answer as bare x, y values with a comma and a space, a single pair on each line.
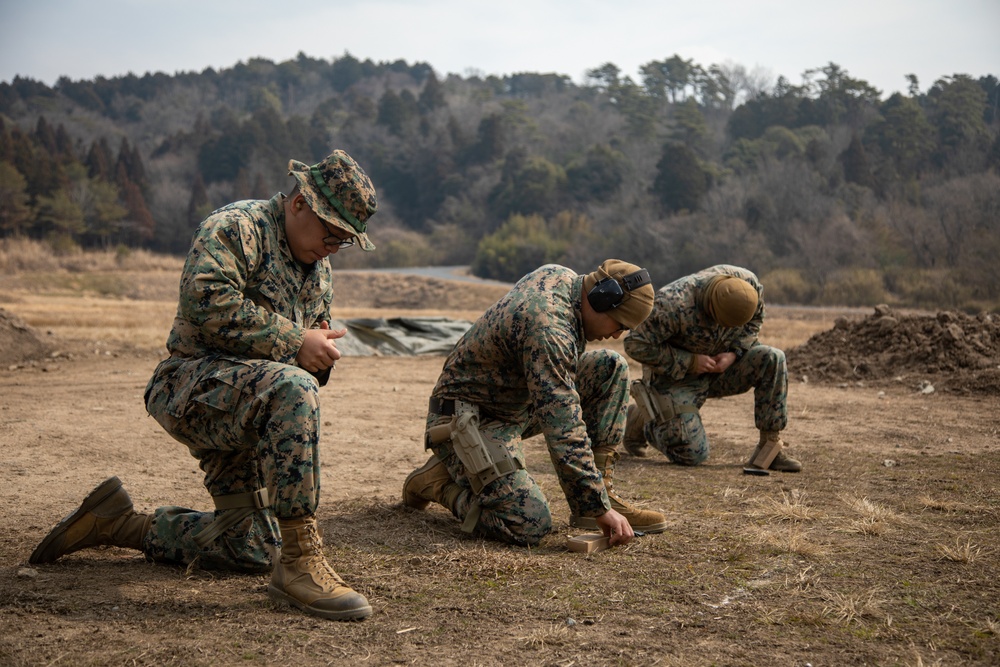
879, 41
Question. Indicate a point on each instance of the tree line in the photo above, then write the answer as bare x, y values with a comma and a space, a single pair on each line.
832, 194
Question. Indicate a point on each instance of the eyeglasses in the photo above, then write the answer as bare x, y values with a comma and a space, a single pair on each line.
333, 239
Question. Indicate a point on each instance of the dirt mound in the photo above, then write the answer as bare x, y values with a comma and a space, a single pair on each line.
374, 289
949, 350
18, 341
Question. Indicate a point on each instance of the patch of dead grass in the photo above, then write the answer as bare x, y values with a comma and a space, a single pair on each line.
554, 635
942, 505
791, 507
874, 518
855, 607
26, 255
962, 552
792, 540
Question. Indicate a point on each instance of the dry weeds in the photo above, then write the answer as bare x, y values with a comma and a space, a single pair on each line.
964, 551
791, 507
855, 607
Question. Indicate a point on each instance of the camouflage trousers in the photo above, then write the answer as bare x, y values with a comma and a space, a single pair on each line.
251, 423
513, 508
683, 439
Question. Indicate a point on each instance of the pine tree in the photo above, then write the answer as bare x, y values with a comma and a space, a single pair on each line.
98, 161
432, 96
680, 180
142, 223
855, 162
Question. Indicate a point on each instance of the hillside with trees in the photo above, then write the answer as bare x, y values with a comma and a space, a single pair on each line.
830, 192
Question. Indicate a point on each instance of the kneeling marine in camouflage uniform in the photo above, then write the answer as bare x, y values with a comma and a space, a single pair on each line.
250, 346
700, 342
521, 370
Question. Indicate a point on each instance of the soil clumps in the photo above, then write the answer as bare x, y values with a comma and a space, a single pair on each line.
949, 350
18, 342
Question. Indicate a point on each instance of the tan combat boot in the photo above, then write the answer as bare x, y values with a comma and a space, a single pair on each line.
430, 482
635, 439
303, 578
105, 517
647, 521
782, 462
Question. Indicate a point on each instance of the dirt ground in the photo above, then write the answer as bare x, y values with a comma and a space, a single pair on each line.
885, 550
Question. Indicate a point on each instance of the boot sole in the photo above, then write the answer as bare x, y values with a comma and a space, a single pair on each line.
93, 499
419, 503
357, 614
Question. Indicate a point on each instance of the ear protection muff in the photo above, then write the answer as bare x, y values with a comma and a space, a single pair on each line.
607, 294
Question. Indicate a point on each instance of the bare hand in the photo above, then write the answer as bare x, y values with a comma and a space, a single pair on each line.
718, 364
724, 361
615, 527
319, 351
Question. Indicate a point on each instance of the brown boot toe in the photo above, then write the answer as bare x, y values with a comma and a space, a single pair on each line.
785, 463
341, 604
636, 448
426, 484
93, 523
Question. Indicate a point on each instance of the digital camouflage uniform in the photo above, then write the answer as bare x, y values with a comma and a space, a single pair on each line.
676, 330
230, 390
523, 364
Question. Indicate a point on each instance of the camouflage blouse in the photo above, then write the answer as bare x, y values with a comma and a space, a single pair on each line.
518, 364
678, 328
242, 294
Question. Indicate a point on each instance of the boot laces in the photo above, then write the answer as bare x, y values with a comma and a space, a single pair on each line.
325, 574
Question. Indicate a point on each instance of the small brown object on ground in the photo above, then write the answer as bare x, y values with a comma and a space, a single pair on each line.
588, 543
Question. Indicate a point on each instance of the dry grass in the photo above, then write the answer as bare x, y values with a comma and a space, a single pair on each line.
20, 255
103, 321
991, 627
856, 607
871, 510
962, 552
875, 517
941, 505
554, 635
868, 526
792, 540
791, 507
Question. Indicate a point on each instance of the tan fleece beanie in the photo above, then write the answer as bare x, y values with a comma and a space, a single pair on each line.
730, 301
636, 304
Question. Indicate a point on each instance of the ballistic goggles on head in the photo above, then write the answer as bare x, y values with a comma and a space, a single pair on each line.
607, 294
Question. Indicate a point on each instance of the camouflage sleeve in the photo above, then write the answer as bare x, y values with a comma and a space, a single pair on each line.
318, 310
648, 343
212, 296
550, 362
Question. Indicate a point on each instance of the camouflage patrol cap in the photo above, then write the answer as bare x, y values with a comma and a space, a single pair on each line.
339, 191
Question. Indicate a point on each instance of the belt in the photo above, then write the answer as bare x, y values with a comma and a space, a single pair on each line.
441, 406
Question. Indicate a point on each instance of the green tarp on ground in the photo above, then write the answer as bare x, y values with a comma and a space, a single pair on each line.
400, 336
